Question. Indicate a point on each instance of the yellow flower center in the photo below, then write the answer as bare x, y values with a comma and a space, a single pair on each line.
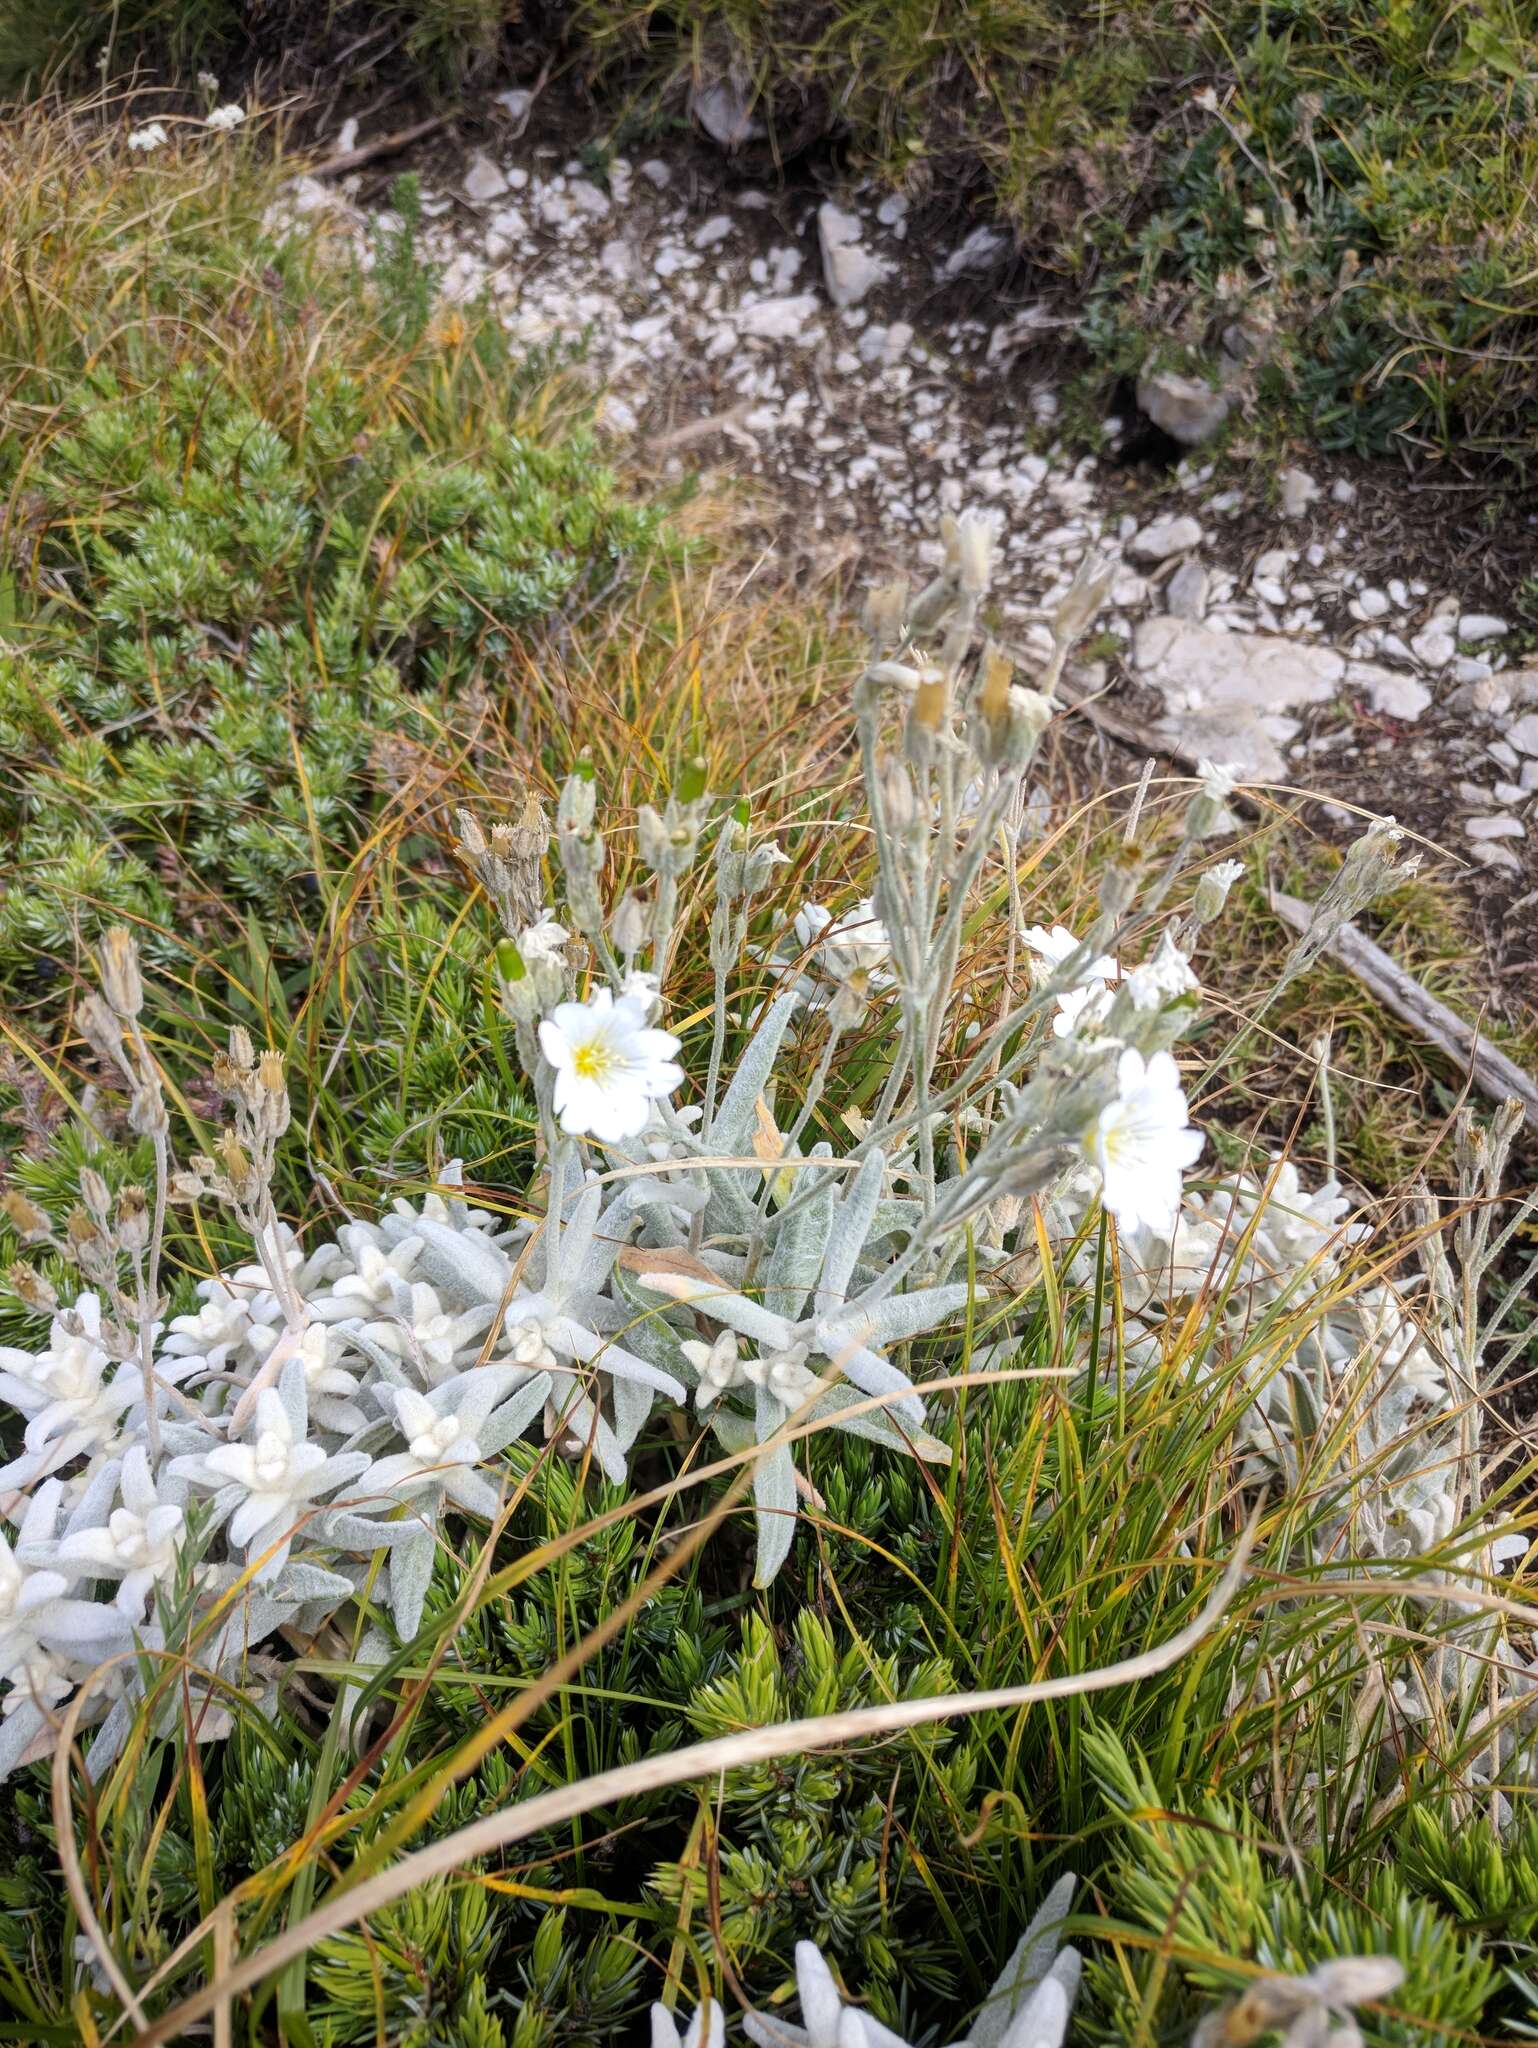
593, 1061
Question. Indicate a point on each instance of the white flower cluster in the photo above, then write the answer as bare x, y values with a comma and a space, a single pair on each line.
298, 1437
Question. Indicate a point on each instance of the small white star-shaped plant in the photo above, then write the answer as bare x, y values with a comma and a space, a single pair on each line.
268, 1485
139, 1541
1029, 2005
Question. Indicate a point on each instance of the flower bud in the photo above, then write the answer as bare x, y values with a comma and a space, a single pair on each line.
970, 542
730, 861
95, 1193
1209, 815
579, 803
886, 609
1086, 594
651, 835
628, 925
472, 840
758, 872
1211, 892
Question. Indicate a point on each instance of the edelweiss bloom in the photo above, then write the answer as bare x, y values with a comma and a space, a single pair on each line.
220, 1327
277, 1475
706, 2028
1142, 1141
139, 1543
718, 1365
28, 1666
71, 1404
422, 1330
829, 2023
151, 136
374, 1288
610, 1066
223, 119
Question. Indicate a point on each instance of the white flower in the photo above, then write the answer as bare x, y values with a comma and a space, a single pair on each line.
1057, 944
1087, 1001
610, 1066
374, 1287
542, 942
279, 1472
718, 1366
784, 1374
1142, 1141
456, 1427
70, 1403
643, 988
1209, 813
1161, 979
421, 1329
528, 1344
223, 119
856, 943
331, 1387
151, 136
29, 1667
139, 1543
219, 1328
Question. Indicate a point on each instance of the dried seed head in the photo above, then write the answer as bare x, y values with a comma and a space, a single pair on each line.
30, 1223
100, 1028
232, 1157
95, 1193
81, 1229
34, 1290
993, 690
132, 1221
472, 840
931, 702
120, 979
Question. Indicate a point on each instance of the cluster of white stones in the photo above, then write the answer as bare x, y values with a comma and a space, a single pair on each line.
807, 345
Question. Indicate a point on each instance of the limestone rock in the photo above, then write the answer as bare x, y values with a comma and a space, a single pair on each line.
1188, 408
848, 267
1390, 691
1228, 694
1476, 626
484, 180
1162, 538
1186, 593
1501, 826
1298, 492
787, 319
981, 249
